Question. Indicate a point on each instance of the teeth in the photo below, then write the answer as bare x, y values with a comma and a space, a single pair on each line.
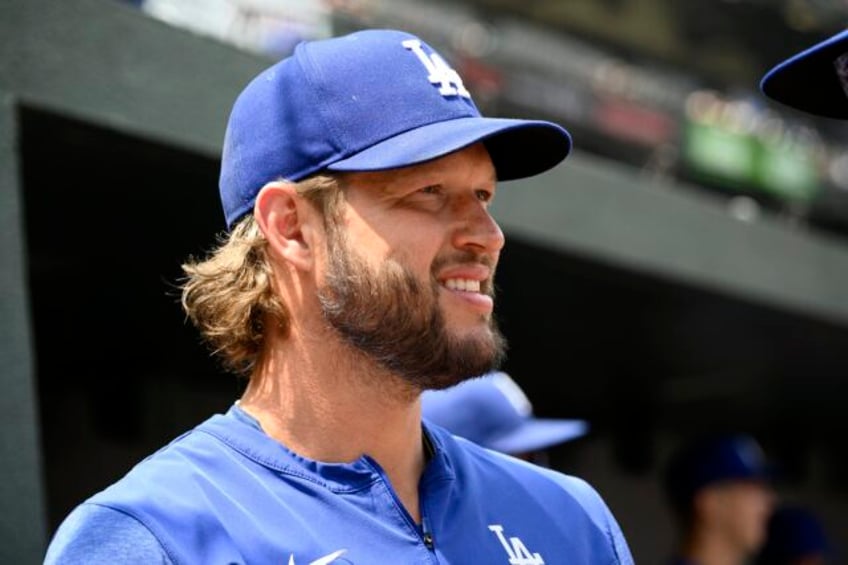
467, 285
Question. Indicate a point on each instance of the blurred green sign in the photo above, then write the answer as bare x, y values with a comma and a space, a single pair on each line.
743, 161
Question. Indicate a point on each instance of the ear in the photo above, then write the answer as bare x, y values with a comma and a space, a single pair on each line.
284, 216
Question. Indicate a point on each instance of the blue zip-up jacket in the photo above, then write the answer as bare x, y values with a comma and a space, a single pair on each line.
226, 492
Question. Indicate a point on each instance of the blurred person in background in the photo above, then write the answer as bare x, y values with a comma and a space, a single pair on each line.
795, 537
493, 411
357, 271
720, 491
814, 80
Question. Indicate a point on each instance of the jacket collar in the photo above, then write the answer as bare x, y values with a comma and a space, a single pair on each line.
243, 433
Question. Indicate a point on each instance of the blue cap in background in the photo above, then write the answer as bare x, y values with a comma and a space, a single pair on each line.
494, 412
793, 533
815, 80
371, 100
712, 460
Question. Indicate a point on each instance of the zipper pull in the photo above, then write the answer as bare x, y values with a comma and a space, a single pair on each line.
429, 542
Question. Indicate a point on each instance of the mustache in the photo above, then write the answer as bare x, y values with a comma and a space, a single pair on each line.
463, 257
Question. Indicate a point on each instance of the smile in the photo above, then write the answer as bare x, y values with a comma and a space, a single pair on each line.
467, 285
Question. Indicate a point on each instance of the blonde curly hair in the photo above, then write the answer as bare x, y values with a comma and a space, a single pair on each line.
229, 296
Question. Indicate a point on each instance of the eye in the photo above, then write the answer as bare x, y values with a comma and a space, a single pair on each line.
431, 189
483, 195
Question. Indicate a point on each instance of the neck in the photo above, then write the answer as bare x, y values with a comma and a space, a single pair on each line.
707, 548
328, 403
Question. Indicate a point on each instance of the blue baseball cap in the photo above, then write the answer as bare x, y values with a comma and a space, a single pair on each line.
815, 80
494, 412
371, 100
793, 533
712, 460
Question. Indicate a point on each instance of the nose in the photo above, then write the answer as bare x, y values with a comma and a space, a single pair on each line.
478, 231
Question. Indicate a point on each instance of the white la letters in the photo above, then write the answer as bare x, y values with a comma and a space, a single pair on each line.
515, 548
450, 84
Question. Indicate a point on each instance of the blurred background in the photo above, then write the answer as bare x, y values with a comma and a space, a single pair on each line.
685, 270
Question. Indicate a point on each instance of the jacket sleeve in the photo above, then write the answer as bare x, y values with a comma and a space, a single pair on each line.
94, 534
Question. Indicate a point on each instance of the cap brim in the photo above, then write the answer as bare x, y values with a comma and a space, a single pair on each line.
539, 434
518, 148
809, 82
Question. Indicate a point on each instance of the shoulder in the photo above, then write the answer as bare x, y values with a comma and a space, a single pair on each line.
177, 499
169, 471
97, 534
472, 462
195, 461
582, 501
166, 488
483, 472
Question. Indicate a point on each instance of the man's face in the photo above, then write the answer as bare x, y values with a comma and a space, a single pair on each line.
410, 270
741, 510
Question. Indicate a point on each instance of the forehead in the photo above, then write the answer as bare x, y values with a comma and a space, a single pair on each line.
471, 165
741, 487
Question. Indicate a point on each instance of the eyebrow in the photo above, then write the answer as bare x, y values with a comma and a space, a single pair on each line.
402, 175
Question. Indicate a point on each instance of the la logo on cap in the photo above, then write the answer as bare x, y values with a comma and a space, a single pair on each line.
450, 84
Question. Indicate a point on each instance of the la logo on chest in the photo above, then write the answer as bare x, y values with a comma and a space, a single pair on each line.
515, 548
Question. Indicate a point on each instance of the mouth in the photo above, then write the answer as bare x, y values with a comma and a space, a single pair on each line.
464, 285
474, 293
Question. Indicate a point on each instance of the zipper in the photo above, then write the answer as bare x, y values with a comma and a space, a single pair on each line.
423, 530
426, 535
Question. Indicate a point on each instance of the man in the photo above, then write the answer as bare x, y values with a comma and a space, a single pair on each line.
815, 80
494, 412
358, 271
719, 490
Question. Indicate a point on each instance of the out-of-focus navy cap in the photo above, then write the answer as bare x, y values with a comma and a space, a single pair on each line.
814, 80
793, 533
494, 412
715, 459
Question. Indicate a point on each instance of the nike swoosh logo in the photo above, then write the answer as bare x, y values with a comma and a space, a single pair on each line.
326, 560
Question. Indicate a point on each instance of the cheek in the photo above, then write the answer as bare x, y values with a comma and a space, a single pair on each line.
754, 510
369, 246
411, 243
419, 255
